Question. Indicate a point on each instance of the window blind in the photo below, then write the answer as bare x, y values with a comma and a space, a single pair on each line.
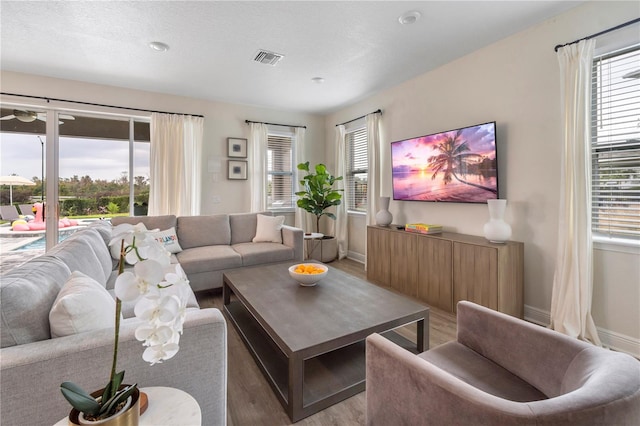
357, 169
280, 193
615, 144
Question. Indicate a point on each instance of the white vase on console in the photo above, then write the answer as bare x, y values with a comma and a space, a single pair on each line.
384, 216
497, 230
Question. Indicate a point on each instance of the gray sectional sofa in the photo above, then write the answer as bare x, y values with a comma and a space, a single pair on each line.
214, 244
33, 365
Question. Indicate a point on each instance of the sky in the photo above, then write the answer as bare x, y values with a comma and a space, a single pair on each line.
415, 152
21, 154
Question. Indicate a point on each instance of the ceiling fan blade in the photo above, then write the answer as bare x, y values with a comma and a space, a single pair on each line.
8, 117
66, 117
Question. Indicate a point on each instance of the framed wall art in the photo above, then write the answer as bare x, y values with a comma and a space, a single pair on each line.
237, 147
237, 170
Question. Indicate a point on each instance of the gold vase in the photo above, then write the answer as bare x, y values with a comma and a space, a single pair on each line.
129, 417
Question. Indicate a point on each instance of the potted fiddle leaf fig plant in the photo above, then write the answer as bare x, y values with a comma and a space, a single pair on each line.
316, 198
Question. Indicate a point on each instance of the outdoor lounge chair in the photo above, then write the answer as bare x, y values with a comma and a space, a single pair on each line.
9, 212
26, 209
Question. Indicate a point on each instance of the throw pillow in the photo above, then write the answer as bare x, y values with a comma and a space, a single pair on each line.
82, 305
168, 238
269, 229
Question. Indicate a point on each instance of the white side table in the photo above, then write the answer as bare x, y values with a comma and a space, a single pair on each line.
167, 407
310, 237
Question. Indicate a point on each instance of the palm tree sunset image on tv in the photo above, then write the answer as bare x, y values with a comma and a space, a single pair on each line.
454, 166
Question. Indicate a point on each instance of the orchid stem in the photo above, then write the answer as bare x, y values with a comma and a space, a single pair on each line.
118, 311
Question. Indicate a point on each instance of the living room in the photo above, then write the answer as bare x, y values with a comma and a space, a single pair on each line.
514, 81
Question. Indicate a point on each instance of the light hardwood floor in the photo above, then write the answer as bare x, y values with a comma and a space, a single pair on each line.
250, 400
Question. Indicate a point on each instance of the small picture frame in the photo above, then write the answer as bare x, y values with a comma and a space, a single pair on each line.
237, 170
237, 148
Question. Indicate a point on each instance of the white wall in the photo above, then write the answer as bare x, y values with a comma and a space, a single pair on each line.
516, 83
221, 120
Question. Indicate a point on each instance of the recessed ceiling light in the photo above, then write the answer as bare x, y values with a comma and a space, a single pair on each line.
410, 17
318, 80
159, 46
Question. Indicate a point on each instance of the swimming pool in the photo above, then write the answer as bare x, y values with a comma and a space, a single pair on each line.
41, 243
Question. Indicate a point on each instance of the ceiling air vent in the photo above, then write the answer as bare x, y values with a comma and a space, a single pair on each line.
266, 57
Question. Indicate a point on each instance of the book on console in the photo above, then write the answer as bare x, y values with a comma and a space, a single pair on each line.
423, 228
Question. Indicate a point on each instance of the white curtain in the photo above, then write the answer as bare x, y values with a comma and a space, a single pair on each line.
300, 220
373, 155
573, 279
258, 166
175, 169
341, 222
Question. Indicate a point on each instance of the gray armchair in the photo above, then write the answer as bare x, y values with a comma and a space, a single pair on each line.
501, 371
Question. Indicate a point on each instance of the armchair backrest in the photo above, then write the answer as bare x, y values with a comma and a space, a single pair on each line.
536, 354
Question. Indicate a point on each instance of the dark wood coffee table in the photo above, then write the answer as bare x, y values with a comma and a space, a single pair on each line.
309, 341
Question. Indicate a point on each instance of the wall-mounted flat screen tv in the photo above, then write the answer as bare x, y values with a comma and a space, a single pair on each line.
457, 166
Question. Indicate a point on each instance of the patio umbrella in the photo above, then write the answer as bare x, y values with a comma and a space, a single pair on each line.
14, 180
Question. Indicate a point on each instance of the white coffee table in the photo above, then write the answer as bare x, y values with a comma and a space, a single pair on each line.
167, 407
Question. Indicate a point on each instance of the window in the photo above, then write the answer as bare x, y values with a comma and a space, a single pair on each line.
615, 144
280, 190
357, 169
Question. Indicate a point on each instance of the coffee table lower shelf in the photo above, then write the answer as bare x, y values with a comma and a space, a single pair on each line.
328, 378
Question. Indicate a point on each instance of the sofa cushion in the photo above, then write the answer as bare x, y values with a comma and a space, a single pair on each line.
168, 238
104, 229
85, 251
243, 226
269, 229
259, 253
26, 295
208, 258
82, 305
481, 373
151, 222
200, 231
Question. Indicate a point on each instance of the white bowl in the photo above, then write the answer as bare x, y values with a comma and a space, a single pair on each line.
308, 279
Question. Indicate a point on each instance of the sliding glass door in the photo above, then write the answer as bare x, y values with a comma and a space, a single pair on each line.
82, 166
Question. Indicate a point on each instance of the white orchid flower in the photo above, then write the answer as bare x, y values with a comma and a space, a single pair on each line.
155, 251
127, 232
175, 278
152, 336
144, 279
162, 310
177, 284
157, 353
135, 238
161, 291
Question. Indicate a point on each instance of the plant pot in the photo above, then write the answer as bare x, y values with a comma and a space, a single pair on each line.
128, 416
324, 249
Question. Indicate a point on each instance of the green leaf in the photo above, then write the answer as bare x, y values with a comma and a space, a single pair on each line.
79, 399
120, 396
113, 386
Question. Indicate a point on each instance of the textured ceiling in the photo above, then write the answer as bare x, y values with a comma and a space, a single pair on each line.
358, 47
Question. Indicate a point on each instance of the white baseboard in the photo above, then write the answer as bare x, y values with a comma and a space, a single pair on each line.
610, 339
537, 316
358, 257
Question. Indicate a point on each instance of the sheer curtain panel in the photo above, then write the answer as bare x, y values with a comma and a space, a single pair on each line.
341, 222
373, 178
175, 169
573, 278
258, 134
300, 217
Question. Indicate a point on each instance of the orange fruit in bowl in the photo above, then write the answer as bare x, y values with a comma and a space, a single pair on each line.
308, 273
